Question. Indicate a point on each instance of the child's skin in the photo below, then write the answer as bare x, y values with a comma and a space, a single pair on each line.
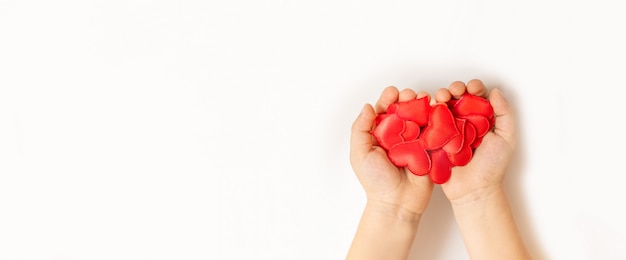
396, 199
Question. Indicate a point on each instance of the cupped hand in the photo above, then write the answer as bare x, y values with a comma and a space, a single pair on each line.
383, 182
485, 172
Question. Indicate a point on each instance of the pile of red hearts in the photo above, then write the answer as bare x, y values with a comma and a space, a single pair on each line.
432, 139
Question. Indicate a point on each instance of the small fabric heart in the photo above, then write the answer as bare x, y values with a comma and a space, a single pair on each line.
432, 139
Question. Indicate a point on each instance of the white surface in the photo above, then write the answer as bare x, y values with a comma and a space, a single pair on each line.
219, 129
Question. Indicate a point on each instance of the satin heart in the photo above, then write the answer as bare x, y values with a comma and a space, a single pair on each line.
469, 104
464, 155
481, 124
411, 130
441, 168
456, 144
388, 131
415, 110
441, 128
411, 155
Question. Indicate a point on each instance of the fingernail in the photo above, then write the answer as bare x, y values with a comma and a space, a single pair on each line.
500, 93
362, 110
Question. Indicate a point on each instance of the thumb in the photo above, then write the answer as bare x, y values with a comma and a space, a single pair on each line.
361, 141
505, 121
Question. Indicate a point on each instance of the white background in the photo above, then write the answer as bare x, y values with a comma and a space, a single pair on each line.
219, 129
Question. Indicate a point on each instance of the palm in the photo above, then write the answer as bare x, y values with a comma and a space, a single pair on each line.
383, 181
492, 157
387, 183
486, 168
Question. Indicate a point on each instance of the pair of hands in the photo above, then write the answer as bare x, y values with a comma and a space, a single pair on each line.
398, 188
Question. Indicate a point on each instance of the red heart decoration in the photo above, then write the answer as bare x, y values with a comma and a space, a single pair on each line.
433, 139
389, 131
441, 128
411, 155
441, 169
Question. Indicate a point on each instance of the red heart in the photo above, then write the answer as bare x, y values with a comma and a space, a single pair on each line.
388, 132
441, 168
464, 155
432, 140
415, 110
469, 104
481, 124
441, 128
455, 145
411, 130
411, 155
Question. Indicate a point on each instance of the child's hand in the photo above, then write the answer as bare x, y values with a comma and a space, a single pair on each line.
394, 188
485, 172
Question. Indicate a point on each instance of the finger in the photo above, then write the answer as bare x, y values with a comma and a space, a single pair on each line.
457, 89
387, 97
477, 88
361, 141
422, 94
443, 95
406, 95
505, 121
423, 182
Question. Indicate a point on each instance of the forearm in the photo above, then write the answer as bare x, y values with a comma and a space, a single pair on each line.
385, 232
488, 227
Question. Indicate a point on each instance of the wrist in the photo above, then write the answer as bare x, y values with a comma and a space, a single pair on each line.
487, 225
478, 196
393, 211
386, 231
